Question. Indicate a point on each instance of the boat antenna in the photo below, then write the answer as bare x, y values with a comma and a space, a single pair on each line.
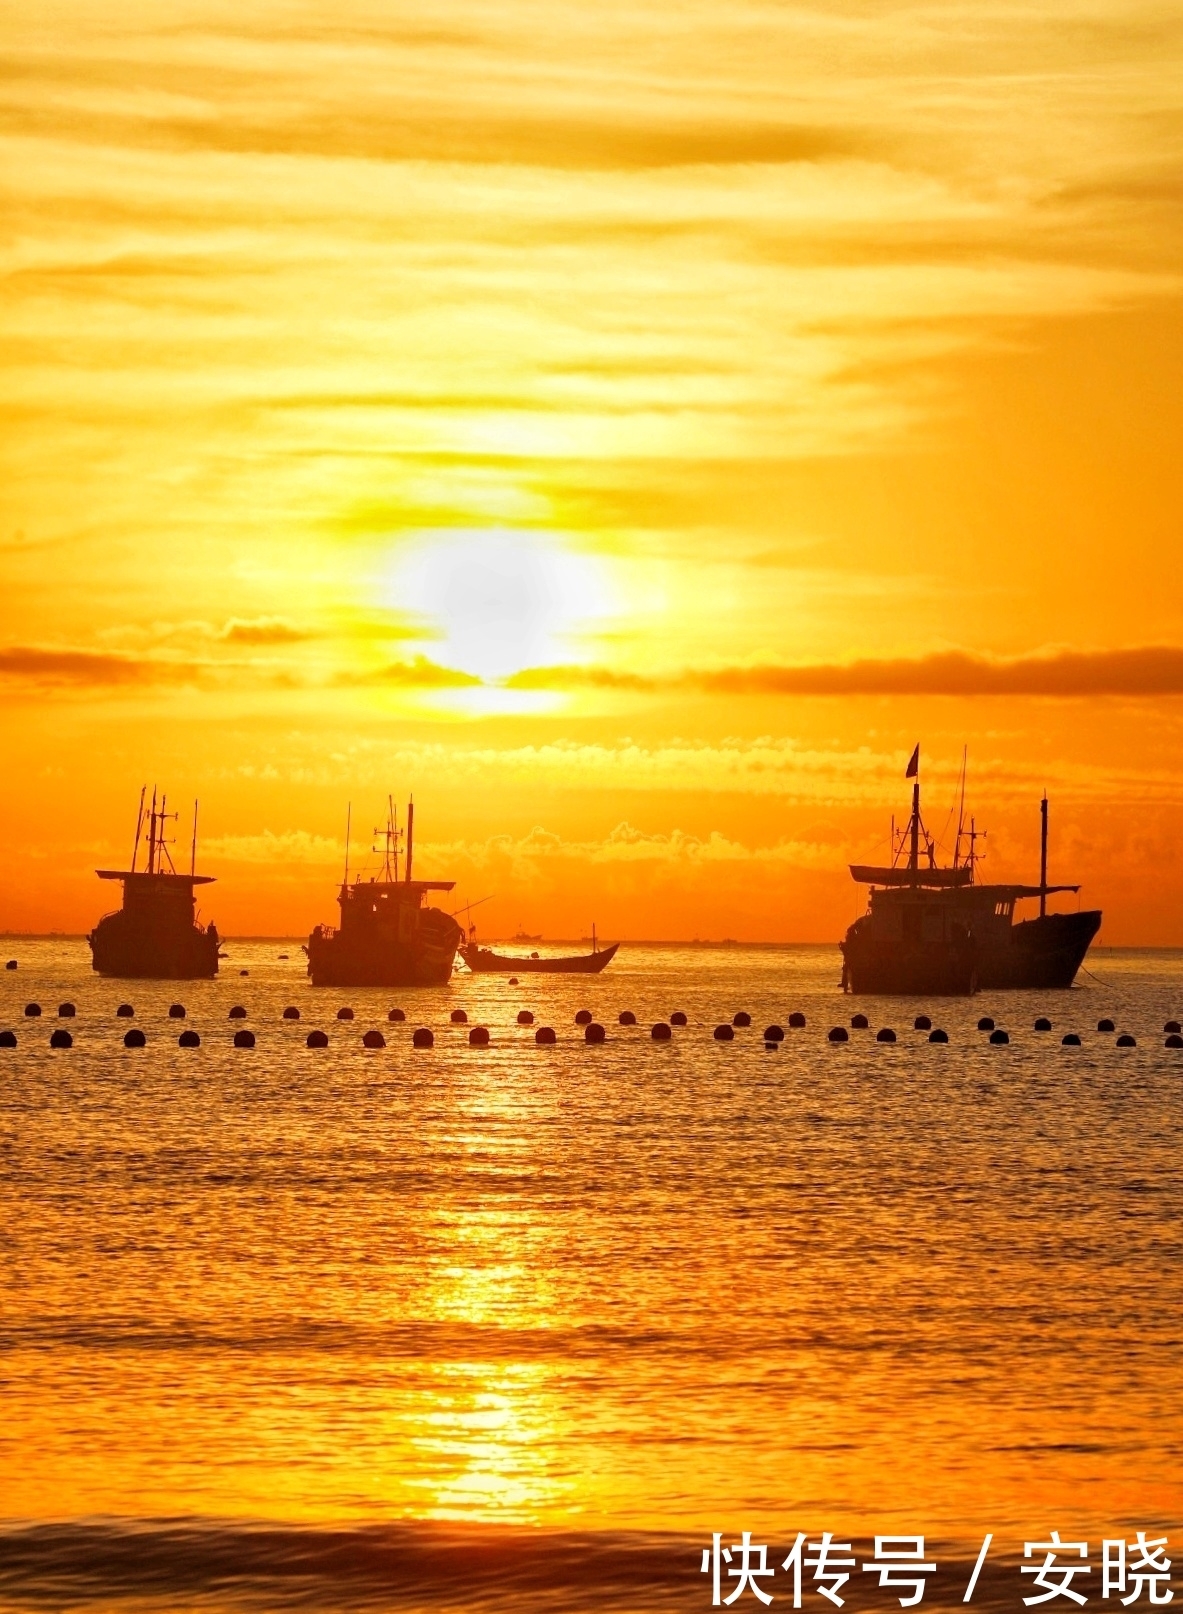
193, 849
410, 835
961, 808
139, 826
393, 819
1043, 856
348, 822
152, 835
913, 773
595, 949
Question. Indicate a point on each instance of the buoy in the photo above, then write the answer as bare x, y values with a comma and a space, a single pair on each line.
998, 1038
291, 1012
7, 1039
797, 1020
32, 1011
282, 956
1070, 1041
1173, 1041
544, 1035
458, 1017
134, 1038
594, 1032
583, 1018
660, 1032
373, 1039
1106, 1025
1126, 1041
985, 1023
859, 1022
886, 1035
938, 1035
316, 1039
344, 1014
66, 1011
188, 1039
1043, 1024
922, 1023
513, 980
176, 1011
396, 1017
61, 1039
244, 1039
1173, 1027
244, 972
423, 1038
237, 1013
626, 1017
11, 965
774, 1033
677, 1018
839, 1034
741, 1019
125, 1012
724, 1034
525, 1018
478, 1037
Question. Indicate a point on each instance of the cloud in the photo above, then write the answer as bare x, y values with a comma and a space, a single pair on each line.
418, 673
1142, 671
91, 668
262, 630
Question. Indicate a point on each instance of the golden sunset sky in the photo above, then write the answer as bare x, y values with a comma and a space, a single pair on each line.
629, 428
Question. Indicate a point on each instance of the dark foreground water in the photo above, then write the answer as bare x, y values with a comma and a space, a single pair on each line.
521, 1327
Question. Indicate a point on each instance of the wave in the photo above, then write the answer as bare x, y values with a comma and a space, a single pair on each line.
142, 1565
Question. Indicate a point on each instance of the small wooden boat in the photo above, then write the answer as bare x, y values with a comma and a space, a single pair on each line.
484, 961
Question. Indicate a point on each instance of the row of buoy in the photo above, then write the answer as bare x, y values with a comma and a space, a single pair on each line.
593, 1031
723, 1033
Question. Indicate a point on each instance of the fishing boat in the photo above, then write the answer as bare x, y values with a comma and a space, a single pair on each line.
388, 935
155, 934
483, 961
939, 931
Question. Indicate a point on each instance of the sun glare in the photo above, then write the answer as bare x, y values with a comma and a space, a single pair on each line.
494, 602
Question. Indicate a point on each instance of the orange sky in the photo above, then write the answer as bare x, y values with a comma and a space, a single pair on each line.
629, 428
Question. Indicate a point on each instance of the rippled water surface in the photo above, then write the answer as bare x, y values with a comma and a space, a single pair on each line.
458, 1325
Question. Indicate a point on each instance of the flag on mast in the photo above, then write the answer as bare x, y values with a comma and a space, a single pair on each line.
914, 764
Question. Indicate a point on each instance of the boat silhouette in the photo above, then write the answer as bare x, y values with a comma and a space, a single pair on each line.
933, 930
483, 961
387, 935
155, 935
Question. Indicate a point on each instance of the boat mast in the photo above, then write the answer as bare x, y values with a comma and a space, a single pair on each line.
1043, 856
410, 834
152, 835
348, 823
139, 826
193, 848
960, 809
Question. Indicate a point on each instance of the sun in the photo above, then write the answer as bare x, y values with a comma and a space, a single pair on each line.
496, 601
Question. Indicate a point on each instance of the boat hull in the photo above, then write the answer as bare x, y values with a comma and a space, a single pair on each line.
1044, 953
483, 962
879, 965
383, 957
134, 950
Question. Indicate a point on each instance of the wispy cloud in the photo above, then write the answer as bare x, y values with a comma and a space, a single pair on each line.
1142, 671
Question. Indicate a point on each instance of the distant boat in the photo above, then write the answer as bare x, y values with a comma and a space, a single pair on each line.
155, 936
387, 937
483, 961
935, 930
523, 937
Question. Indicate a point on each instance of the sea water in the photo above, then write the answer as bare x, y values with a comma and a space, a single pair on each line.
524, 1326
